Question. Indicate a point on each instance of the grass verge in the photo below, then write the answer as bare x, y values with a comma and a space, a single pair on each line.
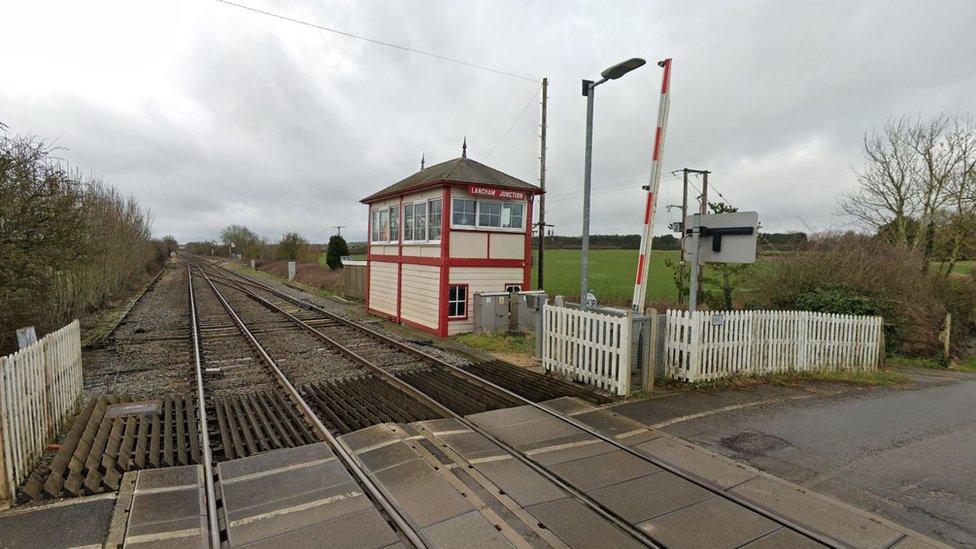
499, 343
97, 325
967, 366
272, 278
882, 377
962, 365
929, 363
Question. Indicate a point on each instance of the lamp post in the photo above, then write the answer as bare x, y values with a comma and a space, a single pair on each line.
589, 88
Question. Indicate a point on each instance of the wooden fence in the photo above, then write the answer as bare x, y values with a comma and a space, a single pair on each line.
709, 345
354, 279
588, 345
39, 388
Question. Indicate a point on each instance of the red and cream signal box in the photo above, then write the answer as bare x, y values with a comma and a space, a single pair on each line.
442, 234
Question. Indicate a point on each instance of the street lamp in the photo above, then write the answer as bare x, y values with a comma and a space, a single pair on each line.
589, 87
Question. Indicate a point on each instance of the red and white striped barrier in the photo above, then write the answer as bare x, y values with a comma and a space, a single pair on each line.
644, 260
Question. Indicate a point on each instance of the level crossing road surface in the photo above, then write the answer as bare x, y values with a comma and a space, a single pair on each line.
906, 452
458, 488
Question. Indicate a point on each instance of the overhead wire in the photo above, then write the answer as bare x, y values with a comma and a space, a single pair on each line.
380, 42
407, 49
514, 122
599, 189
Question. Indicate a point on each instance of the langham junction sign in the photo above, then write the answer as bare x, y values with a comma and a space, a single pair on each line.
492, 192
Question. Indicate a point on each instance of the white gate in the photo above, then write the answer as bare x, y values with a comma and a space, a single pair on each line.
593, 346
708, 345
39, 387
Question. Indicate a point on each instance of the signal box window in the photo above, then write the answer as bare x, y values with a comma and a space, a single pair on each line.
464, 212
434, 219
457, 301
512, 215
490, 214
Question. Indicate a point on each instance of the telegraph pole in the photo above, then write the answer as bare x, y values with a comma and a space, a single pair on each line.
339, 228
681, 245
704, 196
542, 181
704, 211
696, 270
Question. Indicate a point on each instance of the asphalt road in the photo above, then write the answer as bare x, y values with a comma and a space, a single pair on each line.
906, 453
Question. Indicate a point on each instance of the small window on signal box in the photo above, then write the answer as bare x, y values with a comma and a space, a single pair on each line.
457, 301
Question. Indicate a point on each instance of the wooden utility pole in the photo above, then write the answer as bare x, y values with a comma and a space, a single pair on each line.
702, 209
681, 244
704, 196
542, 181
339, 228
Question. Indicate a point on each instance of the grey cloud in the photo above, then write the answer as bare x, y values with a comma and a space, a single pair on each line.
282, 127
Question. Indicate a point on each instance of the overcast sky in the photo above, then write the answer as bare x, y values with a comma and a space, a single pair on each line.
209, 114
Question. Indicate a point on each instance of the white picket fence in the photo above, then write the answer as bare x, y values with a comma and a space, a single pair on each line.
589, 346
709, 345
39, 388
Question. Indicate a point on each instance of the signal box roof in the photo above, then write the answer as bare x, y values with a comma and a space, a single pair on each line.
459, 170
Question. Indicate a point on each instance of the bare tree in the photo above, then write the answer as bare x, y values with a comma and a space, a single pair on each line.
959, 230
908, 180
885, 197
938, 157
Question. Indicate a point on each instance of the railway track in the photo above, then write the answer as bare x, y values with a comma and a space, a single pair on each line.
446, 394
422, 376
278, 421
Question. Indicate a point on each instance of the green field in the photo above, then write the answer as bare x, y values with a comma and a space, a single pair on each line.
612, 275
963, 267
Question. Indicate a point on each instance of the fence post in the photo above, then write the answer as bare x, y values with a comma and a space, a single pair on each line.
627, 350
650, 349
946, 330
6, 467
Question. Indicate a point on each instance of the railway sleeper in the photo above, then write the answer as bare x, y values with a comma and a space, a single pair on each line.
356, 403
531, 385
255, 422
458, 394
115, 434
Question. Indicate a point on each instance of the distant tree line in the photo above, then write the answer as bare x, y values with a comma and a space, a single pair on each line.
238, 240
68, 242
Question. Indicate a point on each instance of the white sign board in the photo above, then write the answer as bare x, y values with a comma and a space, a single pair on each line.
725, 238
26, 337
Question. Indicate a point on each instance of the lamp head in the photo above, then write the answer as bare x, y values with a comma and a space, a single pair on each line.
622, 68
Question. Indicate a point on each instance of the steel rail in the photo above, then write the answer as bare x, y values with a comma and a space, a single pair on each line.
810, 533
205, 431
347, 459
608, 514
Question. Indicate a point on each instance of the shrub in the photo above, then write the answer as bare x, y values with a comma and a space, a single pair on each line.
838, 299
850, 273
291, 247
959, 297
337, 249
68, 243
